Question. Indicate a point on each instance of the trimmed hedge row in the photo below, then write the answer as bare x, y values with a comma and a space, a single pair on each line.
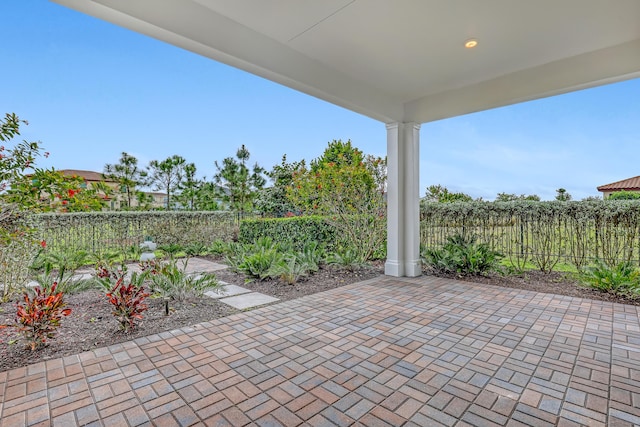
295, 230
543, 233
97, 232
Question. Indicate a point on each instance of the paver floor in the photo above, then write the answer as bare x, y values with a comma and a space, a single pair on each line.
388, 351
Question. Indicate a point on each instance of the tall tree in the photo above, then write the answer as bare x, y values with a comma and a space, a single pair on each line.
166, 175
237, 184
127, 174
348, 188
563, 195
188, 187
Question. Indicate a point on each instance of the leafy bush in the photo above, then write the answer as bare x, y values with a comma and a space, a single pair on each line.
462, 254
296, 231
40, 316
128, 303
622, 279
345, 257
18, 248
259, 262
60, 267
312, 255
171, 282
290, 269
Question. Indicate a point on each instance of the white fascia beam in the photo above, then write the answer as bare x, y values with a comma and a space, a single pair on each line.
609, 65
191, 26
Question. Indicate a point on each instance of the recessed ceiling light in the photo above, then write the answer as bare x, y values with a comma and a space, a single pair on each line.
471, 43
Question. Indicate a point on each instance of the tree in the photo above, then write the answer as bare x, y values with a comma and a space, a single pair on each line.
237, 185
440, 194
273, 200
47, 190
506, 197
127, 174
207, 196
563, 195
167, 175
188, 187
347, 188
18, 161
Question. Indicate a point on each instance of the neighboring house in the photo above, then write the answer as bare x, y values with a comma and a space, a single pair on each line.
91, 178
629, 184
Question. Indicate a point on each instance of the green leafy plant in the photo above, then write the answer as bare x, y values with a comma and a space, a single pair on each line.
257, 264
59, 267
462, 254
290, 269
128, 303
312, 255
39, 317
169, 281
345, 257
621, 279
171, 249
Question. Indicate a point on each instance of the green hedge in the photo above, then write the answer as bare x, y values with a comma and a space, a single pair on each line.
543, 233
99, 231
295, 230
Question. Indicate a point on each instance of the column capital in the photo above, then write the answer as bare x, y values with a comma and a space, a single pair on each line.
396, 125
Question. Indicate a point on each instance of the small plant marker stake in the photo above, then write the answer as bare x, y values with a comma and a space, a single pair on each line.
166, 306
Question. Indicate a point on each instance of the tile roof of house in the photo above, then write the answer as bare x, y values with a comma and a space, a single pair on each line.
87, 175
625, 184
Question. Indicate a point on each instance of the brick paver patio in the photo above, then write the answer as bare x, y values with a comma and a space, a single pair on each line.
388, 351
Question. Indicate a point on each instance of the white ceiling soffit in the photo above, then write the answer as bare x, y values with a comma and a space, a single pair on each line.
402, 60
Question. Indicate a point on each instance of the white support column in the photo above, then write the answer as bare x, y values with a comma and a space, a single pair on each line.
403, 200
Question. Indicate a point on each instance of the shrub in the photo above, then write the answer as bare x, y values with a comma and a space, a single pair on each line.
312, 255
621, 279
296, 231
171, 282
258, 264
463, 255
40, 316
290, 269
60, 267
128, 303
345, 257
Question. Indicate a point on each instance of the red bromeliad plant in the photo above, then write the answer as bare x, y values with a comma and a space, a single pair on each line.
39, 318
128, 303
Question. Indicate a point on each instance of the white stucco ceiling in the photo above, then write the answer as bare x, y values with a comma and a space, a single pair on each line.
402, 60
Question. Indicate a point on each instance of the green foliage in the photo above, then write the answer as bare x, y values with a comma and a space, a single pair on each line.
258, 262
346, 258
167, 176
312, 255
624, 195
39, 317
296, 231
18, 249
347, 188
273, 201
563, 195
16, 161
128, 303
621, 279
237, 184
173, 282
543, 233
290, 269
505, 197
98, 232
462, 254
128, 176
171, 249
440, 194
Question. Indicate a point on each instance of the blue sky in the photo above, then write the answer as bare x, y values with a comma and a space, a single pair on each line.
91, 90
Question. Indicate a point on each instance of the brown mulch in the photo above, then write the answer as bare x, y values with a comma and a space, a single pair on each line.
91, 324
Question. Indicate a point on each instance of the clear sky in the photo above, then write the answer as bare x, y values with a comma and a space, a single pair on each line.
91, 90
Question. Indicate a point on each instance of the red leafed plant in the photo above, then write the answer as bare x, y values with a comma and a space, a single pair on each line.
128, 303
40, 316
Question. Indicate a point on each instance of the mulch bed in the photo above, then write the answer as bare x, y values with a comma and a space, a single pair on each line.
91, 324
